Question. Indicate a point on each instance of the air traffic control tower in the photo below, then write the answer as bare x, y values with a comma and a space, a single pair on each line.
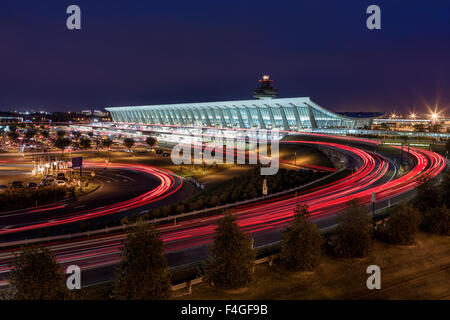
265, 90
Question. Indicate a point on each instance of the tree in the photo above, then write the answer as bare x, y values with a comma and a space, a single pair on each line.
427, 195
401, 227
12, 127
107, 143
404, 140
37, 276
353, 234
301, 246
143, 271
62, 143
60, 134
13, 136
45, 134
445, 190
85, 143
231, 259
151, 141
76, 134
30, 133
128, 143
436, 220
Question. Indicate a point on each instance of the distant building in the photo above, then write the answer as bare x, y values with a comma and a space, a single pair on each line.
7, 119
100, 114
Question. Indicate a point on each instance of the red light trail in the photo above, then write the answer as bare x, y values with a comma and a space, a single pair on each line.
258, 218
165, 188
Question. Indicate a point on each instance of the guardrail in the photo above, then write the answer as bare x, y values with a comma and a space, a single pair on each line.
188, 284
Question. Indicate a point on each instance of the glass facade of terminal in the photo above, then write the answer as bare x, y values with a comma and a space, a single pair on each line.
286, 114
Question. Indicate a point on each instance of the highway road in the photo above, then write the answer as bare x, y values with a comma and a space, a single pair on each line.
125, 189
187, 241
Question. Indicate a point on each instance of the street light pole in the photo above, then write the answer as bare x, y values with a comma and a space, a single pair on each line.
373, 210
401, 157
373, 215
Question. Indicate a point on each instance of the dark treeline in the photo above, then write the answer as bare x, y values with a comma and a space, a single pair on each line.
23, 197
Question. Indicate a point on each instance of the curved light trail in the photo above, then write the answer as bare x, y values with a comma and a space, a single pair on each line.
168, 184
262, 217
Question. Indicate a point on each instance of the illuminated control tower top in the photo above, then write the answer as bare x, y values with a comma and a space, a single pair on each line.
266, 90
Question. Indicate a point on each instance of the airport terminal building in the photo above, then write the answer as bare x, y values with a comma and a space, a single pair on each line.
265, 112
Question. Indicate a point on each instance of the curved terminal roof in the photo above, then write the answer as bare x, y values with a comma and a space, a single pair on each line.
285, 113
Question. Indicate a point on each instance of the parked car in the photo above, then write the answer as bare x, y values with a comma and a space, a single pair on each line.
48, 182
32, 185
60, 183
16, 185
61, 176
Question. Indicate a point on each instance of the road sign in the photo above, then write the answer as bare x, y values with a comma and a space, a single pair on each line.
373, 197
92, 174
264, 190
77, 162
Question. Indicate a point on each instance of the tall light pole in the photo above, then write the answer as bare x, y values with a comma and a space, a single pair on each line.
373, 210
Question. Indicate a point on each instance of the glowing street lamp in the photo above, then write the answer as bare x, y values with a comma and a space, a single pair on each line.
412, 115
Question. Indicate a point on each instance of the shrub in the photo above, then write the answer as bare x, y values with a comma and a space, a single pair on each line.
436, 220
301, 246
143, 271
232, 257
37, 276
353, 235
402, 226
445, 189
427, 195
22, 198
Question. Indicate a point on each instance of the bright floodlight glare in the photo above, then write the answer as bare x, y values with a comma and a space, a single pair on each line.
412, 115
434, 116
265, 77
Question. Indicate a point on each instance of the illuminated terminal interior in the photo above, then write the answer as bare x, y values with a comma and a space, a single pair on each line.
289, 114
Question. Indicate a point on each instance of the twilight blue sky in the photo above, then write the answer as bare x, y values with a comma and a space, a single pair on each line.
146, 52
